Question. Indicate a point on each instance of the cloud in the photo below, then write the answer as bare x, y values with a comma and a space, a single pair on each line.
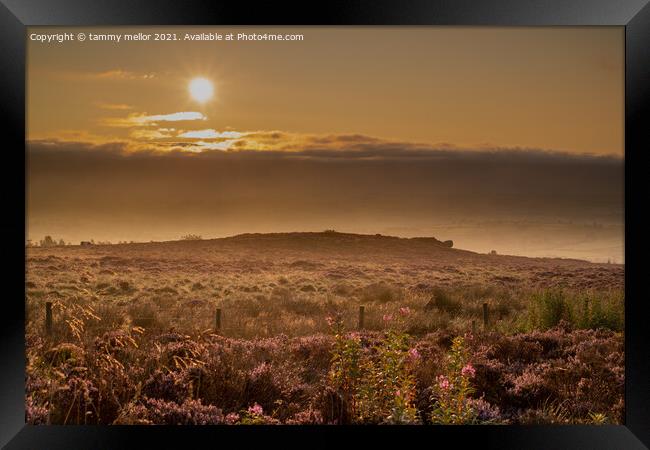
359, 146
148, 134
390, 152
222, 186
173, 117
211, 134
119, 74
140, 120
345, 147
302, 143
108, 75
202, 146
234, 189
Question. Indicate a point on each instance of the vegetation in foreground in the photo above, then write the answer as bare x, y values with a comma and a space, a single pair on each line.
556, 376
133, 340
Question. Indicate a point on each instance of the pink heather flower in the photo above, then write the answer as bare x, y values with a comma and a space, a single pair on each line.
232, 418
388, 317
329, 320
256, 410
414, 354
443, 382
405, 311
468, 371
260, 370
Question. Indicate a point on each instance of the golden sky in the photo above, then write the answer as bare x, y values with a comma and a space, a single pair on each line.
546, 88
363, 130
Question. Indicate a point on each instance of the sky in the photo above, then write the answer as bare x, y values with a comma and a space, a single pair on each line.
498, 137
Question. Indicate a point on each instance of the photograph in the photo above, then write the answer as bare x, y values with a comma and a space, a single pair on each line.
325, 225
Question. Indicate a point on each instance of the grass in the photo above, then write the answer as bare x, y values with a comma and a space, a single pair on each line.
145, 314
296, 313
580, 310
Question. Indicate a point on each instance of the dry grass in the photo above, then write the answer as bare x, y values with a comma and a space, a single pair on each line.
271, 284
134, 326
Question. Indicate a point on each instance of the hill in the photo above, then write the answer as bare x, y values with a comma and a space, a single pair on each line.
331, 255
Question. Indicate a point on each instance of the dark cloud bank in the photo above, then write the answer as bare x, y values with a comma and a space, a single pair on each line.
520, 200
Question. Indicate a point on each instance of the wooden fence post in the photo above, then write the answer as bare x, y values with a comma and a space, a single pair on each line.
362, 311
48, 318
217, 321
473, 327
485, 315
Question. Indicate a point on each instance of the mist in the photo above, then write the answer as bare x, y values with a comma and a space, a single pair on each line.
516, 201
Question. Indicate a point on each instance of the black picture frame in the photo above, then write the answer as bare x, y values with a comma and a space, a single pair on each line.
16, 15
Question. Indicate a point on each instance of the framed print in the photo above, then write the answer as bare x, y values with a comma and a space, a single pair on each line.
315, 223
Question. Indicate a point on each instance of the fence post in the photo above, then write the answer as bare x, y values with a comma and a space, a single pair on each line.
48, 318
473, 327
217, 321
362, 311
485, 315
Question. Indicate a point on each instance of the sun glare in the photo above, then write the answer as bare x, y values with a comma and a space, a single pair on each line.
201, 89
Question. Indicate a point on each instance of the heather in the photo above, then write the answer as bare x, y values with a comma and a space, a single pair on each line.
207, 379
134, 338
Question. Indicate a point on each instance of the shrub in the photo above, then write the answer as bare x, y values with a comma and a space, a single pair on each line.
144, 315
453, 388
35, 414
586, 310
381, 292
160, 412
602, 310
549, 307
375, 386
485, 412
582, 371
254, 415
367, 377
387, 387
345, 371
443, 301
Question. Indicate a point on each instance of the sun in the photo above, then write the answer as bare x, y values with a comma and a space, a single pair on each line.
201, 89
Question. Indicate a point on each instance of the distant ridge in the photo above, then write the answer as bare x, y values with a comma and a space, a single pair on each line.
334, 235
341, 244
330, 244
